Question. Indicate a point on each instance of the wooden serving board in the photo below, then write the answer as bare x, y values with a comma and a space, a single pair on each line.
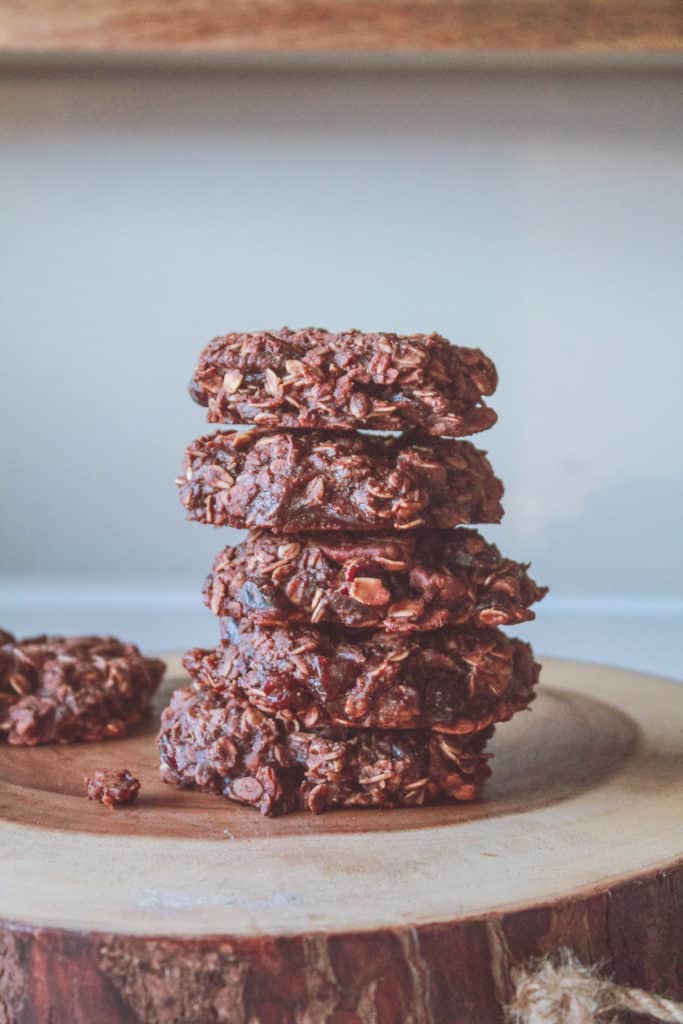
187, 909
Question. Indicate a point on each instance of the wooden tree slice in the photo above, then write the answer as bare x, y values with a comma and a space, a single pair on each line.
186, 909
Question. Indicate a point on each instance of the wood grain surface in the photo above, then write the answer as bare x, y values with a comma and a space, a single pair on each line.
570, 742
190, 908
582, 26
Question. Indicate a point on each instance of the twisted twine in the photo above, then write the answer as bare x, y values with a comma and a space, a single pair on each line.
568, 992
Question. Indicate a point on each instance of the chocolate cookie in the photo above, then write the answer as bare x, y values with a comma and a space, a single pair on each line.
347, 381
452, 680
402, 582
63, 689
221, 744
292, 482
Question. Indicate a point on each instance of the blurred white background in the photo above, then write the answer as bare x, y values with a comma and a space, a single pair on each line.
536, 214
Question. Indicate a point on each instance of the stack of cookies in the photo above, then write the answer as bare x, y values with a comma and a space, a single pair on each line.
360, 663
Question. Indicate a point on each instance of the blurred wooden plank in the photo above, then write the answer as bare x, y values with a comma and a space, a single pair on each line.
571, 26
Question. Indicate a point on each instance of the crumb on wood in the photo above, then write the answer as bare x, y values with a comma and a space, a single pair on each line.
113, 787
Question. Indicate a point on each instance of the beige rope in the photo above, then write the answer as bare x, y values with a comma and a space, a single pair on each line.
567, 992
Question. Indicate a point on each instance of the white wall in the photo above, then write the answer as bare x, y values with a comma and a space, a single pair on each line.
536, 214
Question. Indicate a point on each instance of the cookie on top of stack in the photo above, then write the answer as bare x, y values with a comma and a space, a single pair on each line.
360, 661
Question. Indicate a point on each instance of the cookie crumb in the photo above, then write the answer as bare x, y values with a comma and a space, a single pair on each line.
113, 787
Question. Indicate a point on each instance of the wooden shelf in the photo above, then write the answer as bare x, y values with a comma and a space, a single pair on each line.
243, 26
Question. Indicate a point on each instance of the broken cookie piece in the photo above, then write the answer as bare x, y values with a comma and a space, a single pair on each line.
113, 787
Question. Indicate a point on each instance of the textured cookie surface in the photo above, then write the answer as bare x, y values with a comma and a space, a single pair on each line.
64, 689
451, 680
346, 381
414, 580
291, 482
222, 744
